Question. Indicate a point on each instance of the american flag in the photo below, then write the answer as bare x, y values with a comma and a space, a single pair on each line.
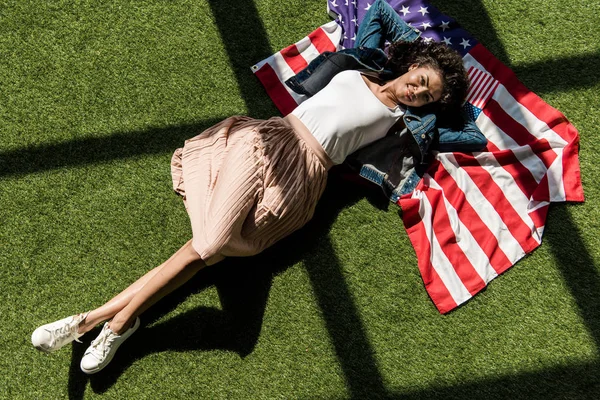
474, 215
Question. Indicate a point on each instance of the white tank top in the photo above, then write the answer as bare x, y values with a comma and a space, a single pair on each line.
345, 115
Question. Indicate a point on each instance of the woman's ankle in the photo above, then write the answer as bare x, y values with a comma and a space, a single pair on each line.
85, 326
119, 325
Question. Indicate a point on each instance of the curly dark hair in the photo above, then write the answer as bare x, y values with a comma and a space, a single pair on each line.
438, 56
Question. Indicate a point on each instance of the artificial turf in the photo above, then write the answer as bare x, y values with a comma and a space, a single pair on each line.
95, 97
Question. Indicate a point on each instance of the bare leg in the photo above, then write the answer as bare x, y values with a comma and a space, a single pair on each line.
117, 303
172, 274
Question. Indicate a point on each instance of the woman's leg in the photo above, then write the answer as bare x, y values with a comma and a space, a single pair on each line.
117, 303
383, 23
172, 274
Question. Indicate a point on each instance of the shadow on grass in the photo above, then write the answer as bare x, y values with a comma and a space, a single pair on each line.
576, 382
541, 76
472, 15
577, 267
80, 152
243, 285
243, 34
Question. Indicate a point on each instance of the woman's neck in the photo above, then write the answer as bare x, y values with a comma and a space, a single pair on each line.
381, 90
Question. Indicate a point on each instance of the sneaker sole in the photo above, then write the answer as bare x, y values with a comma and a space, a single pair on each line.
125, 336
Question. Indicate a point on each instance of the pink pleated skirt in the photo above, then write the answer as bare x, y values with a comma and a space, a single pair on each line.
248, 183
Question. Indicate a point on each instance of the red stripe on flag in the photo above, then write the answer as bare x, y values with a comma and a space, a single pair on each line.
487, 95
507, 124
292, 57
505, 209
447, 239
542, 192
544, 112
321, 41
541, 147
415, 229
471, 219
479, 96
538, 216
275, 89
522, 175
476, 82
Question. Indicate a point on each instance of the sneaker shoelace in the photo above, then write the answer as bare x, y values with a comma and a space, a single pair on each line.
101, 345
67, 330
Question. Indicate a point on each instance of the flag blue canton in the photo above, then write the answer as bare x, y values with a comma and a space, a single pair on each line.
472, 111
432, 24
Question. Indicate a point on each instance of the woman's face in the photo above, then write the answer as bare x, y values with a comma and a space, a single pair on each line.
418, 87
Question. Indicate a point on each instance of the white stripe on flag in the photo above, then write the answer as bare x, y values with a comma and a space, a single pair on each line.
533, 206
334, 32
482, 87
307, 50
466, 241
284, 72
494, 134
555, 180
503, 141
482, 206
509, 188
530, 161
439, 261
539, 129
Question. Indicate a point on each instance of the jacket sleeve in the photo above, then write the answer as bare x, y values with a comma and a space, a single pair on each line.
465, 138
322, 69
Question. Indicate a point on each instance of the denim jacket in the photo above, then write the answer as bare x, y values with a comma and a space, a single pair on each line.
396, 162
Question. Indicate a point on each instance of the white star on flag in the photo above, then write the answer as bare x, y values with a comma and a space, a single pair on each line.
368, 6
447, 41
424, 11
355, 21
427, 39
404, 10
465, 43
426, 25
333, 3
445, 25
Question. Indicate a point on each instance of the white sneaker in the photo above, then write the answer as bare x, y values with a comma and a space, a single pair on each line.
104, 347
53, 336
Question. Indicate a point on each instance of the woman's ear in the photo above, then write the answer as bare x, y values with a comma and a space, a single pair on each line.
413, 66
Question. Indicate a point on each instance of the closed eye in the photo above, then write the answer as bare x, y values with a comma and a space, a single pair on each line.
424, 82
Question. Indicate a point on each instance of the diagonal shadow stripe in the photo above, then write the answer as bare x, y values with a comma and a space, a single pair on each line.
577, 382
343, 323
541, 76
577, 267
347, 332
237, 21
472, 15
85, 151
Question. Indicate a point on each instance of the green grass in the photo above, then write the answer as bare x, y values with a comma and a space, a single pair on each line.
94, 98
